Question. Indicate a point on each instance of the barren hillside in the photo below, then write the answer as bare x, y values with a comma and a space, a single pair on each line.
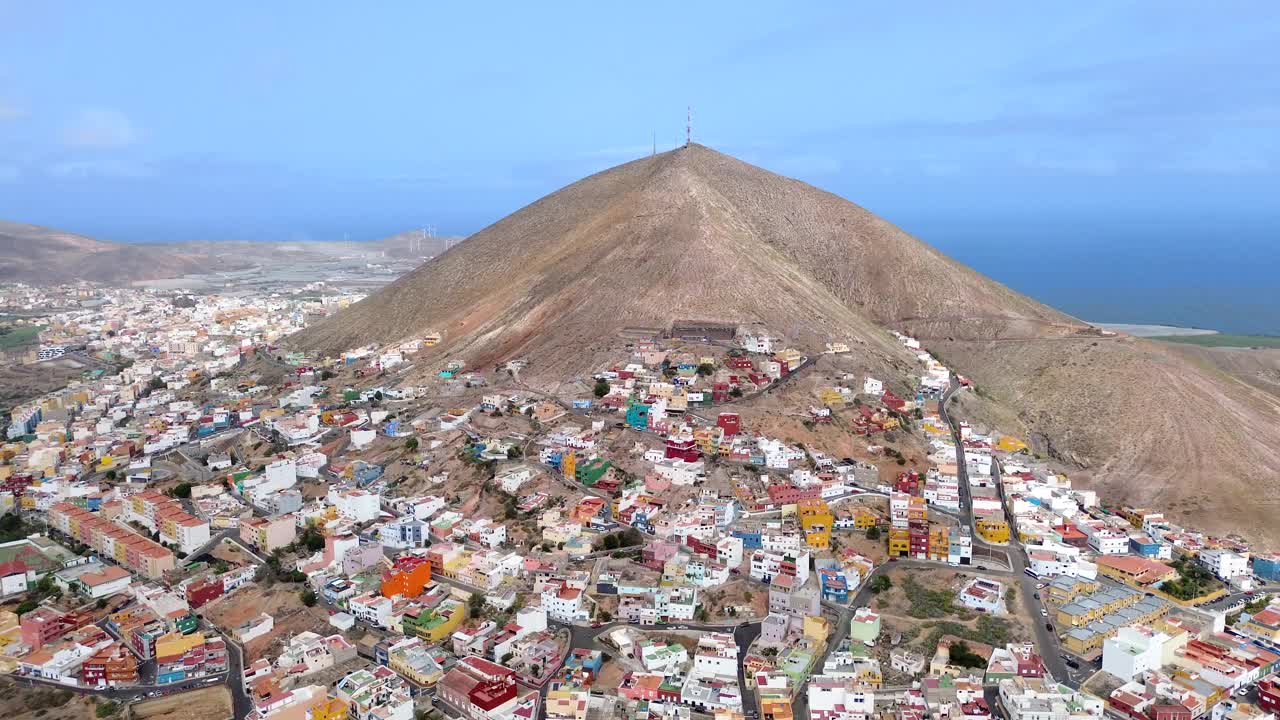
694, 234
688, 234
36, 255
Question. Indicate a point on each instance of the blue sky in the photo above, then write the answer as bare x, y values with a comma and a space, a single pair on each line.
291, 120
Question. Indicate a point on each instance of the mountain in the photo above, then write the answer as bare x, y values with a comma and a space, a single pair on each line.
693, 234
40, 255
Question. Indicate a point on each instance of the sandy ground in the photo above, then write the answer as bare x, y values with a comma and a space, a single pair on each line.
284, 604
210, 703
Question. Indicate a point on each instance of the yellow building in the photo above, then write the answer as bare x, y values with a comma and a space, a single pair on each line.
569, 464
816, 520
830, 397
438, 624
992, 530
330, 709
175, 644
1065, 589
899, 543
939, 543
817, 628
1010, 444
864, 519
776, 707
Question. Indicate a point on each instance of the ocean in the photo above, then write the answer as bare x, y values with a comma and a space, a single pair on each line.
1210, 275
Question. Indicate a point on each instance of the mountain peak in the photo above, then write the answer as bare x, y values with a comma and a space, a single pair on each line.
690, 233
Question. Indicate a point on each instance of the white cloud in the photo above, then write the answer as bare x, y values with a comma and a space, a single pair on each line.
100, 128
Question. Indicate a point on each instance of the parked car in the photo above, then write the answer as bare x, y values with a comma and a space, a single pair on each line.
1044, 613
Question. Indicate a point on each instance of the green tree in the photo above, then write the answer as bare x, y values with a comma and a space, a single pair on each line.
183, 490
964, 657
880, 584
873, 532
706, 369
514, 452
411, 444
610, 542
601, 388
735, 392
308, 597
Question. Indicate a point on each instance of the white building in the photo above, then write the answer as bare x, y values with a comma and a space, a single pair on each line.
512, 478
355, 505
281, 475
839, 698
1106, 541
1132, 651
563, 603
1225, 563
371, 609
1043, 699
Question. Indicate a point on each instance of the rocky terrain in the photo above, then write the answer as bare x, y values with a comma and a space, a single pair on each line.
694, 234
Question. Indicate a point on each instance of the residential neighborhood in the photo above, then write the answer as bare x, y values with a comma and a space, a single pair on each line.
715, 523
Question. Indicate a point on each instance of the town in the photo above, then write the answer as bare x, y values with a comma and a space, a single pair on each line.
715, 523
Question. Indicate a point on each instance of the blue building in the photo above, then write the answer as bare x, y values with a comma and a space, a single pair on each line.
835, 586
750, 539
1144, 545
638, 416
1267, 567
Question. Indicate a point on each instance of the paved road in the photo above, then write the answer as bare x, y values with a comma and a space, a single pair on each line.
1046, 640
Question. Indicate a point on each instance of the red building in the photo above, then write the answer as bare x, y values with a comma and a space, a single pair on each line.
683, 448
739, 363
478, 685
1269, 693
44, 625
788, 494
720, 392
700, 547
893, 402
112, 665
204, 591
908, 482
730, 423
1071, 535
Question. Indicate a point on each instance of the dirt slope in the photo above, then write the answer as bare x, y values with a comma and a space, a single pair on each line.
1146, 425
689, 234
694, 234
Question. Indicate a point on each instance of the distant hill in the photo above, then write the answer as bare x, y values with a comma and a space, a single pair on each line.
40, 255
694, 234
415, 244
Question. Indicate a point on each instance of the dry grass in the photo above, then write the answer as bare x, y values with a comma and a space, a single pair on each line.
211, 703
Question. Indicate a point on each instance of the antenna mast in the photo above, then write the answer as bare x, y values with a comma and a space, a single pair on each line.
688, 125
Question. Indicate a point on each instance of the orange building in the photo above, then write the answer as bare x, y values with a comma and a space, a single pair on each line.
407, 581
